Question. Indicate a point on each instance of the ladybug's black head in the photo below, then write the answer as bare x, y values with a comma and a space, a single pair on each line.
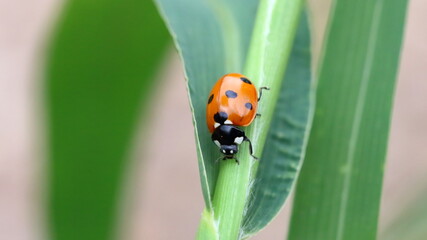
227, 138
229, 150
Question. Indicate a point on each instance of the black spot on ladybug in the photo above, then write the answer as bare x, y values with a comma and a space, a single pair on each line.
248, 106
210, 98
231, 94
220, 117
245, 80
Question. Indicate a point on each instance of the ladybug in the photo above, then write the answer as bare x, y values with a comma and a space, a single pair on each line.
232, 102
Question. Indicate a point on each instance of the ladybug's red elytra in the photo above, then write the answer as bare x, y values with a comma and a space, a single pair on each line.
232, 102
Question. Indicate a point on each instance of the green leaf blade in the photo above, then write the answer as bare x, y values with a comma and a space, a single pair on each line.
286, 140
206, 43
339, 189
205, 62
98, 72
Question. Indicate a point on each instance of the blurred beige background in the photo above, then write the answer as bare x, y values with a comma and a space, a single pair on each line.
162, 199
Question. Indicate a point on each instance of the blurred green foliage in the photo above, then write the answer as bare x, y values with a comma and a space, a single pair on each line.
100, 68
339, 189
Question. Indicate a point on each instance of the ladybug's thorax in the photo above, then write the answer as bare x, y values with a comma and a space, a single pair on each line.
227, 138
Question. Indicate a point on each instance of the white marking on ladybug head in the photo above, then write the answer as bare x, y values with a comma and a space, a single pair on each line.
216, 125
228, 122
217, 143
223, 151
231, 151
238, 140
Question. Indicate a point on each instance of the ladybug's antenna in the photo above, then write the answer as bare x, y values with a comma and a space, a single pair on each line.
225, 158
250, 148
221, 157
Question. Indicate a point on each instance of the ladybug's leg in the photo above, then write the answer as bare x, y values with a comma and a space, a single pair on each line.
250, 147
258, 115
260, 91
237, 161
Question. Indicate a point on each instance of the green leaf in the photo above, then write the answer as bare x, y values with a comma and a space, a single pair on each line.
339, 189
270, 48
212, 37
208, 229
284, 148
99, 70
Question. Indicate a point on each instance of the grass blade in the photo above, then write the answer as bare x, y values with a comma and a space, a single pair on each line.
99, 69
286, 140
339, 188
212, 37
215, 45
269, 51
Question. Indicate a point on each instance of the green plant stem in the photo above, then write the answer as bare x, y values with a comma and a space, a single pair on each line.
208, 228
269, 51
